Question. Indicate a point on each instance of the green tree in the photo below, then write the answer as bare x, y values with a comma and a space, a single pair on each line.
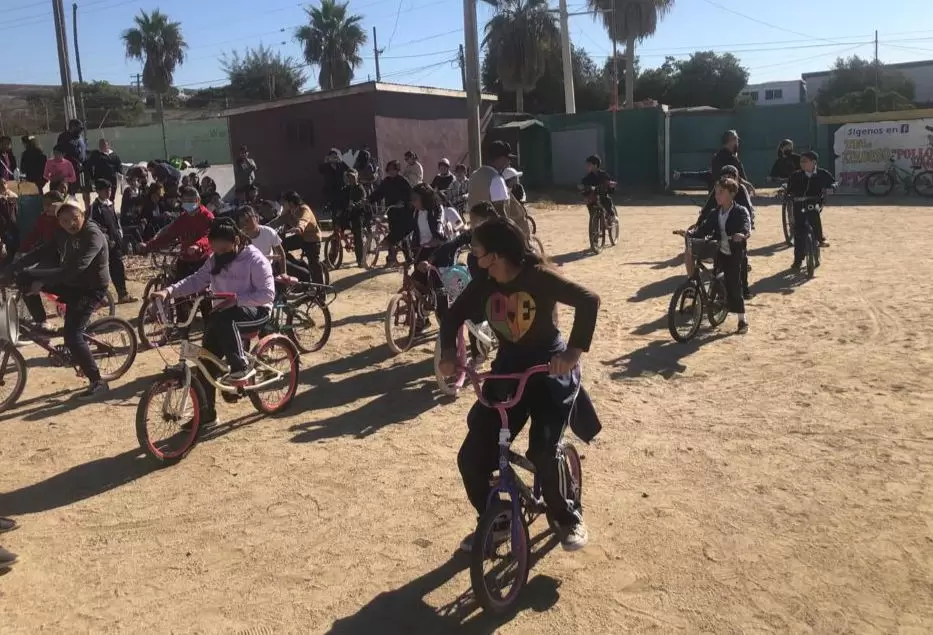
332, 42
851, 77
656, 83
707, 79
158, 43
629, 21
107, 106
522, 33
261, 73
868, 100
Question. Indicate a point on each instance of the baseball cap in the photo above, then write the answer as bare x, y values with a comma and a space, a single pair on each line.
444, 162
498, 150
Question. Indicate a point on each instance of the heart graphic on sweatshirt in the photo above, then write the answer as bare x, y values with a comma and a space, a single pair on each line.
511, 315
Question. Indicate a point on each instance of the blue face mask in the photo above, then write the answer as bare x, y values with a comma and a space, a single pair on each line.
190, 207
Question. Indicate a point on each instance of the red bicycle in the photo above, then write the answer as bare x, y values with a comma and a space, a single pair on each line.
54, 307
408, 310
374, 235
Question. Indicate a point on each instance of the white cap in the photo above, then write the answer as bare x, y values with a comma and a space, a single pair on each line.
511, 173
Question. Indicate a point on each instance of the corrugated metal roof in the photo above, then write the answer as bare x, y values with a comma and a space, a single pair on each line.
352, 90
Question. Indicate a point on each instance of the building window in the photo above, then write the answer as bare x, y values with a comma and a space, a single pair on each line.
299, 133
753, 95
777, 93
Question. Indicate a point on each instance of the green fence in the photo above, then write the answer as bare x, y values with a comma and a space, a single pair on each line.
204, 140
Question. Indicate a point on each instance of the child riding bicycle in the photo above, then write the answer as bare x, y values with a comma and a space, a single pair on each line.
809, 180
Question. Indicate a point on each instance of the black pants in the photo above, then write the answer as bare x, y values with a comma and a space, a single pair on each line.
184, 269
745, 270
356, 226
731, 266
548, 401
429, 281
401, 221
79, 306
118, 272
11, 242
311, 252
800, 231
222, 338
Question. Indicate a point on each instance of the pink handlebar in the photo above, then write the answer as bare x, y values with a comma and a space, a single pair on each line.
479, 379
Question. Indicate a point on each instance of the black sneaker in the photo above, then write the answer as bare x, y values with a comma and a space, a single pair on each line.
748, 295
743, 328
796, 266
7, 558
7, 524
95, 390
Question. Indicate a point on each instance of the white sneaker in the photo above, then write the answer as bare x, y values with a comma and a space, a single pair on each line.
576, 538
240, 375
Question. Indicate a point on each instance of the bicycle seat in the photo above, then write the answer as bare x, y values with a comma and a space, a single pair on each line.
286, 280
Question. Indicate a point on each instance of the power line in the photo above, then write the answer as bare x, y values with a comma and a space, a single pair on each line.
804, 59
398, 13
762, 22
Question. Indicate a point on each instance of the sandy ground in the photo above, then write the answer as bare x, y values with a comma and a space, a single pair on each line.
777, 482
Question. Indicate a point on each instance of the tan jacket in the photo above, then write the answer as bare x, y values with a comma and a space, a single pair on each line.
303, 220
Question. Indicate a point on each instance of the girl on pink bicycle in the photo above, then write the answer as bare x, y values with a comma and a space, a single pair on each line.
519, 300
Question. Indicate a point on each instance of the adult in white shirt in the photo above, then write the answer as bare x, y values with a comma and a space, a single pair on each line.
487, 184
414, 171
267, 241
453, 222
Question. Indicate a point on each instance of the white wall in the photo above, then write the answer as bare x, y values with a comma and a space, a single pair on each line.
774, 93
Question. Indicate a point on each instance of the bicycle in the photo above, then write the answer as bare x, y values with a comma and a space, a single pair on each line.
811, 204
704, 290
882, 183
787, 214
295, 313
53, 306
455, 279
339, 241
301, 260
603, 224
510, 500
100, 335
150, 331
374, 235
408, 309
179, 397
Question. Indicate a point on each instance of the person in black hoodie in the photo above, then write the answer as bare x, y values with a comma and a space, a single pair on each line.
80, 281
32, 161
7, 159
395, 193
104, 163
787, 161
728, 154
809, 180
104, 214
333, 170
74, 148
351, 208
444, 178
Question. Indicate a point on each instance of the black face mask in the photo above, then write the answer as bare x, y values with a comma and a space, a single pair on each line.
788, 152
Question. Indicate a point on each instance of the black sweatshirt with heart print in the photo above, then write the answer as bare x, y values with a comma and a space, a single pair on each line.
523, 314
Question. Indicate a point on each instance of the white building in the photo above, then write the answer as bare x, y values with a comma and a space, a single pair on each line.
920, 72
777, 93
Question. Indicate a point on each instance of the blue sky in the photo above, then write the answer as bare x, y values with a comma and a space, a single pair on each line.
775, 40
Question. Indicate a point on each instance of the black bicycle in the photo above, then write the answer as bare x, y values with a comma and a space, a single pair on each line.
603, 223
703, 292
811, 205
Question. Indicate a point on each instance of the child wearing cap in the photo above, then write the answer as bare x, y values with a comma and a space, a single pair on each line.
444, 179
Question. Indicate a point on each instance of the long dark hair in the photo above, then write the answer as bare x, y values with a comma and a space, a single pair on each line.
501, 236
427, 196
225, 228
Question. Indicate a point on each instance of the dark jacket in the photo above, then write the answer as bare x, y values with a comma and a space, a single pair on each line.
244, 172
104, 166
800, 185
738, 222
74, 148
32, 164
333, 179
785, 166
442, 183
83, 259
434, 224
393, 190
725, 157
7, 165
740, 199
106, 217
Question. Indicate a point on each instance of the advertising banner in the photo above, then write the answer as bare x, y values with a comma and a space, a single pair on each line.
862, 148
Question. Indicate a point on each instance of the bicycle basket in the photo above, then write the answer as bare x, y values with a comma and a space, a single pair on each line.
703, 249
455, 279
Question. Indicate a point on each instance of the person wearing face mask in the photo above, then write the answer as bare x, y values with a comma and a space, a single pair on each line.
190, 231
809, 180
105, 215
237, 267
104, 163
79, 279
787, 161
519, 299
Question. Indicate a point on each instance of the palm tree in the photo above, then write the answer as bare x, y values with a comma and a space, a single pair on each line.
332, 42
628, 21
157, 43
522, 33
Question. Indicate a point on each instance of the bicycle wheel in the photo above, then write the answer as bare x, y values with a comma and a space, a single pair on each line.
811, 254
308, 324
536, 245
878, 184
113, 346
450, 386
596, 232
613, 230
371, 250
923, 183
787, 222
571, 480
400, 322
532, 225
497, 589
685, 312
166, 431
13, 373
274, 354
333, 251
718, 309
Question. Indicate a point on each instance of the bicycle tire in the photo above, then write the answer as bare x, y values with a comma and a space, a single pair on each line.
189, 437
613, 230
154, 284
518, 539
255, 397
371, 251
293, 330
391, 317
595, 232
127, 328
333, 251
146, 317
811, 255
718, 307
9, 353
925, 177
690, 292
571, 482
444, 384
787, 222
886, 187
532, 224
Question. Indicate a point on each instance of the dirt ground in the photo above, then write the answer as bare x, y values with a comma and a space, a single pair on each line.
772, 483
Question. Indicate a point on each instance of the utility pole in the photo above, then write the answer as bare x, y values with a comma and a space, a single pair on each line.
462, 65
877, 72
570, 105
473, 94
74, 25
58, 13
376, 52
